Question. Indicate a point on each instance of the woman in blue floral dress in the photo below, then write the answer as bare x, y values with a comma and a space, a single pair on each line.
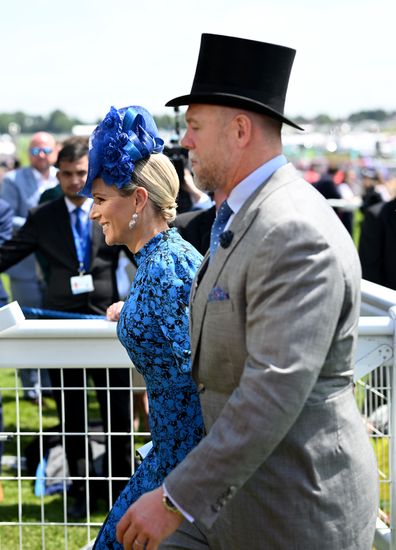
134, 190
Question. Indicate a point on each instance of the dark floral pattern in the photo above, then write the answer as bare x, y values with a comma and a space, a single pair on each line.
153, 327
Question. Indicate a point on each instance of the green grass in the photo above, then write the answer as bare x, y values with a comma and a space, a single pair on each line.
25, 418
357, 222
6, 283
31, 537
381, 449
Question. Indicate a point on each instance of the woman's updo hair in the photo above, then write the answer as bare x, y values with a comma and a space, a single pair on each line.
158, 176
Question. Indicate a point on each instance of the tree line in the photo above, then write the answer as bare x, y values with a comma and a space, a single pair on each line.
59, 122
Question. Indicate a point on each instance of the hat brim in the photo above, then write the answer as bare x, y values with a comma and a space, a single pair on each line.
231, 100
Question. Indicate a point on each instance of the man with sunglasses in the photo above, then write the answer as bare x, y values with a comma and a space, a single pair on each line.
22, 188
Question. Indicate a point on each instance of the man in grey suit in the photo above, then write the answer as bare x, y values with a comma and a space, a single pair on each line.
286, 462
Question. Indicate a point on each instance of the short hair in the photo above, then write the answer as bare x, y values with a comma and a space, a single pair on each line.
158, 176
73, 148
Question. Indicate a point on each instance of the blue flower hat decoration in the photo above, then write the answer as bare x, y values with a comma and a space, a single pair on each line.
124, 137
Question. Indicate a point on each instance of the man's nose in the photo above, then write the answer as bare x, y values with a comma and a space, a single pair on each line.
186, 141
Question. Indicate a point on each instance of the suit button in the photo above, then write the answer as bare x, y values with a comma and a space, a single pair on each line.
201, 388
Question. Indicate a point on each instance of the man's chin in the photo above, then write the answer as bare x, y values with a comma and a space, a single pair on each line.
202, 185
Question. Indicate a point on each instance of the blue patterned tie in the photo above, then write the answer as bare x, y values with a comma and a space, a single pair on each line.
218, 226
78, 224
82, 230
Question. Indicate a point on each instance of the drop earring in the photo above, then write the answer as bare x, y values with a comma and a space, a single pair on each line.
132, 223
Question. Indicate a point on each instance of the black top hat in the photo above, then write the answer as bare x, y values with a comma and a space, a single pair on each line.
236, 72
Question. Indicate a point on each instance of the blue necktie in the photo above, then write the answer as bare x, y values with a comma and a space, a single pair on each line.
78, 224
83, 246
218, 226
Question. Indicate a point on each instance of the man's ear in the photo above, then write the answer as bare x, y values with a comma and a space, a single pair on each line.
141, 198
243, 128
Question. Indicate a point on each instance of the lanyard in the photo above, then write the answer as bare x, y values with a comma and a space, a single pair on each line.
83, 247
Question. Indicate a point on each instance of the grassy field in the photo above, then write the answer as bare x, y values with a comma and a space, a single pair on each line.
6, 284
31, 506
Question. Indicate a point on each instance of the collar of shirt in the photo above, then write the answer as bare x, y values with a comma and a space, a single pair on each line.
43, 183
240, 194
85, 207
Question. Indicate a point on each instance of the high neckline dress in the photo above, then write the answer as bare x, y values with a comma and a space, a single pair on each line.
153, 328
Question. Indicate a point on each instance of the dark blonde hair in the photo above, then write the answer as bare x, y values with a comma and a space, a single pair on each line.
158, 176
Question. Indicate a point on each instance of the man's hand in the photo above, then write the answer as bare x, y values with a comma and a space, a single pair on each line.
147, 523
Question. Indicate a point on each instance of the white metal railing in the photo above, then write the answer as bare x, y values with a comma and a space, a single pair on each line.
375, 377
93, 343
61, 344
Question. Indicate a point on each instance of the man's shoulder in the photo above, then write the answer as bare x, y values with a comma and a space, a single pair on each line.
384, 208
380, 212
48, 208
19, 175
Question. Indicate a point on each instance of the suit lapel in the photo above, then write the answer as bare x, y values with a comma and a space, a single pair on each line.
208, 275
63, 222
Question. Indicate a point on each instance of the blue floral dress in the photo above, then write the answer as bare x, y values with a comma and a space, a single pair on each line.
153, 327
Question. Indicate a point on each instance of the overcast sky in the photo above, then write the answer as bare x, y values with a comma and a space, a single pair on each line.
82, 56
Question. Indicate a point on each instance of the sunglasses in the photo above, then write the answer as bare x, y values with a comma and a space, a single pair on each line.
35, 151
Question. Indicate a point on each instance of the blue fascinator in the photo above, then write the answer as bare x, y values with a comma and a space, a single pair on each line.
122, 138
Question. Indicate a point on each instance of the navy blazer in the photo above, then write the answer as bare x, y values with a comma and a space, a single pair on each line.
377, 244
47, 230
195, 226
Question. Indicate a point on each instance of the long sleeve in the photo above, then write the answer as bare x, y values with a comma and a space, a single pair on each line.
5, 221
20, 246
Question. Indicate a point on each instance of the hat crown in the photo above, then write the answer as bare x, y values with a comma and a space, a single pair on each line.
243, 73
257, 70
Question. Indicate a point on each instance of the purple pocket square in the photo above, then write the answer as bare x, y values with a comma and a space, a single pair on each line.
217, 294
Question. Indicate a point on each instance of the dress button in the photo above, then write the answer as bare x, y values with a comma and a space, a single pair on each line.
201, 388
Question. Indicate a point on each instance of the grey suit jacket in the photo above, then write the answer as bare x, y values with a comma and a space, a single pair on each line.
20, 189
286, 462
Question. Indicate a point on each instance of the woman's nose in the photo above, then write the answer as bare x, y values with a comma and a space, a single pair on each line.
92, 213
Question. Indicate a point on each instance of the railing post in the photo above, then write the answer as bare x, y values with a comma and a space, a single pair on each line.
392, 457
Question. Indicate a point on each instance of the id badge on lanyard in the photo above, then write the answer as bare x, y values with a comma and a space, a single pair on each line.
82, 282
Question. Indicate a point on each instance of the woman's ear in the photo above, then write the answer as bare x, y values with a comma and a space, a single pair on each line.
141, 198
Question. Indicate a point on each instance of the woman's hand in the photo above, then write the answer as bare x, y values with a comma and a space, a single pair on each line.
113, 311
